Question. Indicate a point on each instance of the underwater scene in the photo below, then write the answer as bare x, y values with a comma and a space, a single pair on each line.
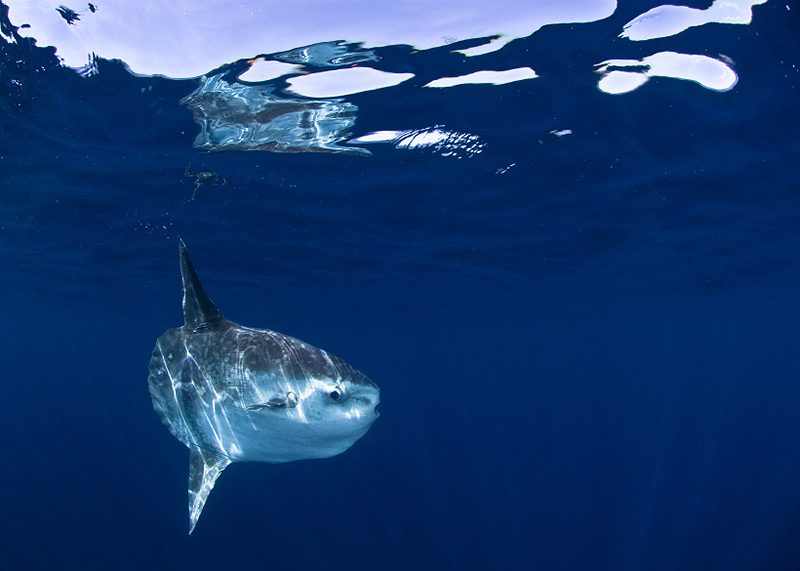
400, 285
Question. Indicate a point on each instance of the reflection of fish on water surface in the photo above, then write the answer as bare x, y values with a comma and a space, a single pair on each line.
240, 117
236, 394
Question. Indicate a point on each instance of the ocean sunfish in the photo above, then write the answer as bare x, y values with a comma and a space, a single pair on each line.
236, 394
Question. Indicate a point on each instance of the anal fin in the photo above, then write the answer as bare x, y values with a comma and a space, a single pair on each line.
204, 469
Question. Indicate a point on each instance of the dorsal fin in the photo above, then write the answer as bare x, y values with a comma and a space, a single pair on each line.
199, 311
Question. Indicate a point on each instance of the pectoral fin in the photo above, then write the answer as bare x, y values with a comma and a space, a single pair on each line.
288, 400
204, 469
274, 402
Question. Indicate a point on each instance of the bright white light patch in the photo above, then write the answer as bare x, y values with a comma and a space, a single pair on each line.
617, 82
378, 137
338, 82
709, 72
264, 70
422, 139
442, 142
490, 77
664, 21
492, 46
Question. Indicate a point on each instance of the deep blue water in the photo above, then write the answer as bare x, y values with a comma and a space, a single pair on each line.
588, 361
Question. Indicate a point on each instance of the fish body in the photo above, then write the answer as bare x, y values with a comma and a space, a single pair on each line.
237, 394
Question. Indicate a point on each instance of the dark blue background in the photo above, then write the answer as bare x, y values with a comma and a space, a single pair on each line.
588, 362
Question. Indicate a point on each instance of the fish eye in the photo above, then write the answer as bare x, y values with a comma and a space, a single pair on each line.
337, 393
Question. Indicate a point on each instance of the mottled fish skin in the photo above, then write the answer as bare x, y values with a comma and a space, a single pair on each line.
232, 393
203, 383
